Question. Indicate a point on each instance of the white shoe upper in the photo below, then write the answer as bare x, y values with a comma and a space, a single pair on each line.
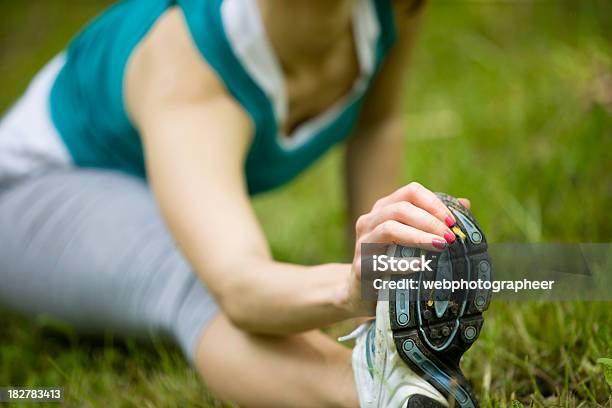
383, 379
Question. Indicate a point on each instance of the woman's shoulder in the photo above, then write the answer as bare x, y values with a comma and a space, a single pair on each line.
167, 64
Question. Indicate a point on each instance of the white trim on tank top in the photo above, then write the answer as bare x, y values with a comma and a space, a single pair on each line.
29, 141
245, 30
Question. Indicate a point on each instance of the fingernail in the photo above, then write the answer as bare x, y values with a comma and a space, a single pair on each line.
449, 221
449, 237
438, 243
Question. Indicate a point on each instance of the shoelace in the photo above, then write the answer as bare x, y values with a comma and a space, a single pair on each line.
362, 328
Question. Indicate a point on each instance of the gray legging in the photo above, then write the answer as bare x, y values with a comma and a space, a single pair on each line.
89, 247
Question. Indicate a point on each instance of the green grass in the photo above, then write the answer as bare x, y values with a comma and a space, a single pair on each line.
510, 104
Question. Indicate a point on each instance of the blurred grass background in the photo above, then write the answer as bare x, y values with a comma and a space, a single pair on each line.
510, 104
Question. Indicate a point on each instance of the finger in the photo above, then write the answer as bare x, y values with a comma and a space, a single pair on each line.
409, 214
421, 197
394, 232
465, 202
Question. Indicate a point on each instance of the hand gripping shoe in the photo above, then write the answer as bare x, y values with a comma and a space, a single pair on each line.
409, 356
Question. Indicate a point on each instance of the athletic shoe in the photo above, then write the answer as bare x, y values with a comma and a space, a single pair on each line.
432, 329
382, 378
409, 356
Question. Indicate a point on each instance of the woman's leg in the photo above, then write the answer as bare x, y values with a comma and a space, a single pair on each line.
306, 370
88, 247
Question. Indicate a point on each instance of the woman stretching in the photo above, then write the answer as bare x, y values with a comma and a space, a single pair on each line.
127, 167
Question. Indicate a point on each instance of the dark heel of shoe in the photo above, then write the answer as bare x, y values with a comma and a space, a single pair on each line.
421, 401
433, 329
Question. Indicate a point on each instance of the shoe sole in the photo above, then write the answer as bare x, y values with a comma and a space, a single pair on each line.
433, 329
421, 401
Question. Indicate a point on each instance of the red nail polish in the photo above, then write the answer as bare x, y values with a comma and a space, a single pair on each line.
438, 243
449, 221
449, 237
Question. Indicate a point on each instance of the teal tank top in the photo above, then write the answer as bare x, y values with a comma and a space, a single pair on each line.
88, 110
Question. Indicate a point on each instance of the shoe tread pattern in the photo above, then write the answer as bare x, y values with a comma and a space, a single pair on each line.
432, 334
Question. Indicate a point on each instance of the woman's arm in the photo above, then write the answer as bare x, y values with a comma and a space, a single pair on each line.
375, 151
195, 138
